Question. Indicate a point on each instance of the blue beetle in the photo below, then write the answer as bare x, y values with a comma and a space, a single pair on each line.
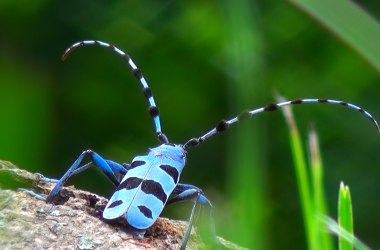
151, 181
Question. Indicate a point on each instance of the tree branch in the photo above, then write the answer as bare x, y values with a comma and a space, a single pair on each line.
29, 223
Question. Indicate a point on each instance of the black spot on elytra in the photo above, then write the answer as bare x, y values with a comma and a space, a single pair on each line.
322, 100
130, 183
115, 203
154, 188
137, 164
145, 211
171, 171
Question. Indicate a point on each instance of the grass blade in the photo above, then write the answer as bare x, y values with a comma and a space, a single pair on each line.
345, 217
350, 23
320, 207
334, 227
303, 181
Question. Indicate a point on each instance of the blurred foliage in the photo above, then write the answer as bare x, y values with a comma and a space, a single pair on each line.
204, 62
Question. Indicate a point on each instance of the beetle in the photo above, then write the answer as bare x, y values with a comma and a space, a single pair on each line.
150, 182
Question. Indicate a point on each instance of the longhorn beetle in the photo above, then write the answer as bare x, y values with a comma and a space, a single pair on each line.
151, 181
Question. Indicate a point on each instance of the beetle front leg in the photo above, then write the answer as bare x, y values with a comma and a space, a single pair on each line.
114, 171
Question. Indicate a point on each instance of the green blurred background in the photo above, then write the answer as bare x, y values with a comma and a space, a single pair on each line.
204, 60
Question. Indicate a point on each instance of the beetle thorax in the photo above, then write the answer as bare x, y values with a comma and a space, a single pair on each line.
171, 151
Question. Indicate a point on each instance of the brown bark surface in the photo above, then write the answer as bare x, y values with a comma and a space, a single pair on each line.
29, 223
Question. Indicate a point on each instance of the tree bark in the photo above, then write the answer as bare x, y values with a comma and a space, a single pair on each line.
30, 223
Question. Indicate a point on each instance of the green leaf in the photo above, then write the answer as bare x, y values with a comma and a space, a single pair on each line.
345, 217
350, 23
